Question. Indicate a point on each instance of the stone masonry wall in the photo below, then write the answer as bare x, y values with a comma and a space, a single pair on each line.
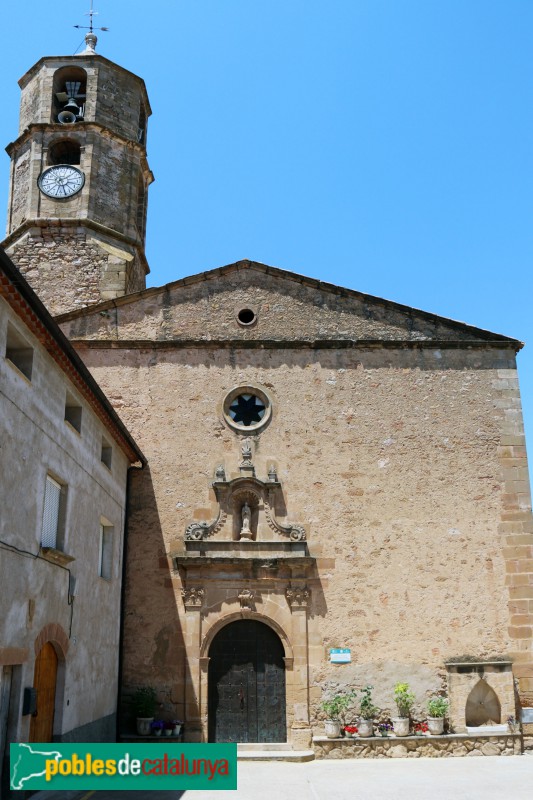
417, 747
288, 309
389, 458
70, 268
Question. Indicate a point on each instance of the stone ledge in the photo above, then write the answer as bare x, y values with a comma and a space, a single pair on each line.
446, 746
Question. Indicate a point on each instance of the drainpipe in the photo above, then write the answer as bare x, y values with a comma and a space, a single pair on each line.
123, 599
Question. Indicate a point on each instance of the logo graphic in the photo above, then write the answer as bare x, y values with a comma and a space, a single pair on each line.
31, 763
113, 766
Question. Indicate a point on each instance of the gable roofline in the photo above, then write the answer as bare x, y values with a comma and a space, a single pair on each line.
313, 283
20, 296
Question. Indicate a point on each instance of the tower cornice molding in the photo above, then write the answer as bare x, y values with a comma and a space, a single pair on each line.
77, 127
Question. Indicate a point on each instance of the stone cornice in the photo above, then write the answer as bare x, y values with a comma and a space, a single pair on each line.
77, 127
280, 344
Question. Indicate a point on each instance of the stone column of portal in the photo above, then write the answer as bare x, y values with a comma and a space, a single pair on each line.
298, 597
193, 600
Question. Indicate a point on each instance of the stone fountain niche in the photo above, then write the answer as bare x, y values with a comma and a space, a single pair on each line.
482, 706
481, 694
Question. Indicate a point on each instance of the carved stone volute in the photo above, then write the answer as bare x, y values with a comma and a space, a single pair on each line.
244, 499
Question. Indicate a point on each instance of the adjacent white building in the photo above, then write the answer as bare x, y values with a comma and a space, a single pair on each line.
64, 461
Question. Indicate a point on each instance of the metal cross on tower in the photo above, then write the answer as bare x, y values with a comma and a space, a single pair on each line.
90, 38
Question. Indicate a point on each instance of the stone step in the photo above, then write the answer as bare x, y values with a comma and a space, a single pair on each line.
271, 751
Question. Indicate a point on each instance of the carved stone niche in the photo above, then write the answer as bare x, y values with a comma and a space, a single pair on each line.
246, 511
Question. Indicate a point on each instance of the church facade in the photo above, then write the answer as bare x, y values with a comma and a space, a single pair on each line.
326, 471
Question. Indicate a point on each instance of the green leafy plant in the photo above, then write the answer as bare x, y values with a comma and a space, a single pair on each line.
437, 706
337, 706
404, 699
367, 708
145, 701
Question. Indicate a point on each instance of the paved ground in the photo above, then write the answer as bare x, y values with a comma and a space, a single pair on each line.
483, 778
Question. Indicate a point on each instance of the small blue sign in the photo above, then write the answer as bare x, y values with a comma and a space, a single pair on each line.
340, 655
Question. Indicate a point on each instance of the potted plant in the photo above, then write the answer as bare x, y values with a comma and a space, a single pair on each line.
350, 731
367, 712
420, 728
144, 704
384, 728
404, 699
177, 723
168, 728
437, 708
156, 727
335, 709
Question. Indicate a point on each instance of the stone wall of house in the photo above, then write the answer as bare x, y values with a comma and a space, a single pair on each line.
39, 601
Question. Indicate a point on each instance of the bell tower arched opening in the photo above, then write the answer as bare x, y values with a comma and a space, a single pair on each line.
68, 95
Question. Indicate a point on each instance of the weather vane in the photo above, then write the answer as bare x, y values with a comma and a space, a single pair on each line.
90, 38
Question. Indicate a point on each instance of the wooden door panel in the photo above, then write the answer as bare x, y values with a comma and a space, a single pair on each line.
246, 694
45, 678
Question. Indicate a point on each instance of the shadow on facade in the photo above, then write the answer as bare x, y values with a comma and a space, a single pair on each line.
153, 643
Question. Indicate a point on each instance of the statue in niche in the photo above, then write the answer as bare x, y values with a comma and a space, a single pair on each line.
246, 514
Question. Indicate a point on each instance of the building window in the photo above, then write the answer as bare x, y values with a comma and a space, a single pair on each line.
106, 453
64, 152
53, 530
247, 408
19, 352
105, 555
73, 413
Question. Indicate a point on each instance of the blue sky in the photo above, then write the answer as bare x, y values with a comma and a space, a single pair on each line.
383, 145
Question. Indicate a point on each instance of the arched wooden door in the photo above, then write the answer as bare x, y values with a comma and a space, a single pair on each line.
246, 684
44, 680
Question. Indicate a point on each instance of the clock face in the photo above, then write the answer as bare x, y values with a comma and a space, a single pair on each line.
61, 181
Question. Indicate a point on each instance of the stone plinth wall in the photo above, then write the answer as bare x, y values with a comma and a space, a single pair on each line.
417, 746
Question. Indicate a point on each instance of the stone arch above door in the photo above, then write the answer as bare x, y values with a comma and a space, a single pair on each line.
252, 615
55, 634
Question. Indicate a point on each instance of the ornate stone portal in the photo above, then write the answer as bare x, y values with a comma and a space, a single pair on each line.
249, 562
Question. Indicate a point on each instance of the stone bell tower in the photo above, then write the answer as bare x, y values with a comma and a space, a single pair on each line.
79, 180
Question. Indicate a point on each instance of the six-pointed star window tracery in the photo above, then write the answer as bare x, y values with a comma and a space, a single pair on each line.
247, 409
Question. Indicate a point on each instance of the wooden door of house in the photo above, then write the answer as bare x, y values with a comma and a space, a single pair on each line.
44, 680
246, 691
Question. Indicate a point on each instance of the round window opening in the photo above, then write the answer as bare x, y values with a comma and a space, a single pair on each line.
247, 408
246, 316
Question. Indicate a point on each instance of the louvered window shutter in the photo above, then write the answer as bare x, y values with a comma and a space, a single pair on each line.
52, 498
